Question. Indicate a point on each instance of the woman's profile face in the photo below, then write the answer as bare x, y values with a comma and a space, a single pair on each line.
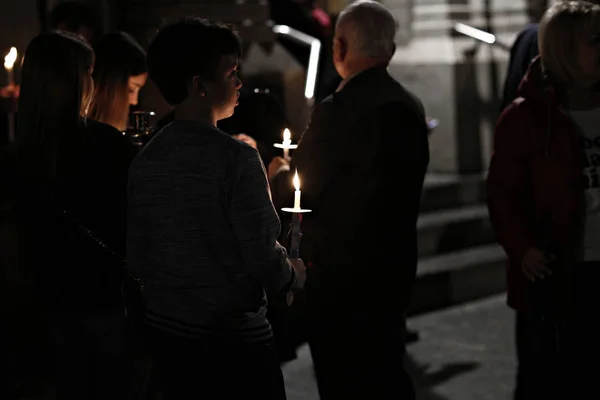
134, 85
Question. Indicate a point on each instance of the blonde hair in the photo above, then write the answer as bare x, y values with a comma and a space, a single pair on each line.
562, 29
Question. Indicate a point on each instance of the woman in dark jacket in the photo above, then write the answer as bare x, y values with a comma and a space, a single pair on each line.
544, 203
72, 204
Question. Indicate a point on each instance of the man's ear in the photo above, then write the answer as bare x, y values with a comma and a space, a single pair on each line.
340, 48
198, 86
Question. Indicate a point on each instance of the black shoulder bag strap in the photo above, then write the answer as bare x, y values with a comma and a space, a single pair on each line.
131, 287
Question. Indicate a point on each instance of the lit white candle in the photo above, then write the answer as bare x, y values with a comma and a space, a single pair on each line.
9, 62
297, 192
287, 141
286, 144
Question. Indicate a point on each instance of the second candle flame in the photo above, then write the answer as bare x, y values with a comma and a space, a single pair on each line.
296, 181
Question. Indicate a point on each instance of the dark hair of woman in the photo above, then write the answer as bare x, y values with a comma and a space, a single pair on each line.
56, 89
118, 58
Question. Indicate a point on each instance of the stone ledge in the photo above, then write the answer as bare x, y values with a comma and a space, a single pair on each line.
458, 277
452, 191
454, 229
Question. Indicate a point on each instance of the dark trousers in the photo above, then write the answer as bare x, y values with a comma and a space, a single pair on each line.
561, 359
92, 361
196, 369
359, 355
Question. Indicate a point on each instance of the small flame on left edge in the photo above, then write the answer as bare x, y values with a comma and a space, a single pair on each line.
10, 58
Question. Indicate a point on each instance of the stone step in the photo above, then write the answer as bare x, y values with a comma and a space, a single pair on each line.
453, 229
452, 191
454, 278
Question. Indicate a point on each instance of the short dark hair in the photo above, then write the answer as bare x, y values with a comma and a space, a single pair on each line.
187, 48
72, 16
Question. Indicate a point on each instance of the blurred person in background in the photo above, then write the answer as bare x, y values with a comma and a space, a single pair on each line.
75, 17
544, 201
522, 52
71, 210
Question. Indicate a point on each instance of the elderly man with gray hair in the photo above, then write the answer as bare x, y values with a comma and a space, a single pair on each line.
364, 142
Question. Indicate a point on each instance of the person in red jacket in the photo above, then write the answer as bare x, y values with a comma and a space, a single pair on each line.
543, 193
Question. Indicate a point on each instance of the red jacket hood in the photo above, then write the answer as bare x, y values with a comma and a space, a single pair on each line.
536, 85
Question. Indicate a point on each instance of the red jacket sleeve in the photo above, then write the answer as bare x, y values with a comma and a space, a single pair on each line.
509, 184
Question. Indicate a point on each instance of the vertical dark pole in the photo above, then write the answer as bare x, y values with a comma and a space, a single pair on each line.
493, 104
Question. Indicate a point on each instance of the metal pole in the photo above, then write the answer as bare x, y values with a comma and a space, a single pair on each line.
313, 61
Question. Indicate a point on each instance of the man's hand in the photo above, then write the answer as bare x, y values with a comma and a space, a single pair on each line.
246, 139
276, 165
300, 270
535, 264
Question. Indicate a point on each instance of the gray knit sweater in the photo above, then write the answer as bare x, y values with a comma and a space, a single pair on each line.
202, 234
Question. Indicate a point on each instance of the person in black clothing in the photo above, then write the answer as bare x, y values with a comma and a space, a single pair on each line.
72, 175
361, 239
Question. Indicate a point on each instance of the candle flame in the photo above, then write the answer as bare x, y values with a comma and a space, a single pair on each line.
287, 136
296, 181
10, 58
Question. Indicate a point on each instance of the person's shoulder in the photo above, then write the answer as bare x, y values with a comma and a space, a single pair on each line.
324, 113
326, 101
408, 96
517, 108
325, 106
514, 118
243, 150
94, 126
225, 144
527, 40
401, 99
530, 31
99, 134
